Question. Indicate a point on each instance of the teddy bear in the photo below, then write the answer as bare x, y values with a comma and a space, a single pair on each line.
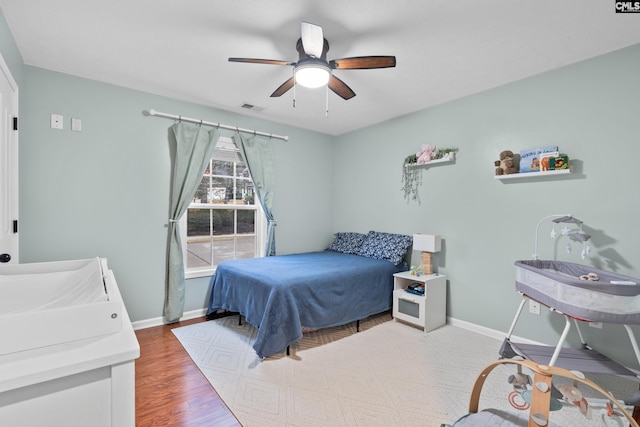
506, 165
427, 154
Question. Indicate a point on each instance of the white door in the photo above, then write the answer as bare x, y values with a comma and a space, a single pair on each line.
8, 166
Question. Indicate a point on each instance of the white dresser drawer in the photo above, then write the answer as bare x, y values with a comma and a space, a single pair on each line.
409, 307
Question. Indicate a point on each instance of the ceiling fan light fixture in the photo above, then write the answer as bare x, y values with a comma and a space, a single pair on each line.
312, 75
313, 70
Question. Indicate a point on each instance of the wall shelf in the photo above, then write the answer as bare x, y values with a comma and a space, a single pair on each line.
534, 175
431, 163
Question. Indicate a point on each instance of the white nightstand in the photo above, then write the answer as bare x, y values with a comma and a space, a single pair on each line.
428, 311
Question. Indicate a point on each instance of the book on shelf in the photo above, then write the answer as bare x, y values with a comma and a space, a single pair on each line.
530, 160
545, 160
559, 163
416, 288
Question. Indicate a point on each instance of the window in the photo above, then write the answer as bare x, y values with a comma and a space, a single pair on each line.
224, 221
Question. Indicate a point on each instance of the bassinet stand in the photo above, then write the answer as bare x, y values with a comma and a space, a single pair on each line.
584, 356
585, 359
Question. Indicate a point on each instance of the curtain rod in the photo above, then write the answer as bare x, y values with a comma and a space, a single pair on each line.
217, 125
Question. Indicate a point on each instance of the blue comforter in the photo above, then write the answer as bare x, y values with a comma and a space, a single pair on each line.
281, 294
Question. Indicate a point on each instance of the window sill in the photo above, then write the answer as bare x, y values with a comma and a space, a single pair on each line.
195, 274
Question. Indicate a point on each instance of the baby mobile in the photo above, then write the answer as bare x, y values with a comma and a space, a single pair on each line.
574, 233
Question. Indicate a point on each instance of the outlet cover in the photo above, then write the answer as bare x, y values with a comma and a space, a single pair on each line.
534, 307
57, 121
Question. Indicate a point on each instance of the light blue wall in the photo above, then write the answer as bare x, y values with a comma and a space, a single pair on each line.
9, 50
590, 110
104, 191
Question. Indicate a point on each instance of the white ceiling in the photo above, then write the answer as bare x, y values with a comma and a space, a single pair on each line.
445, 49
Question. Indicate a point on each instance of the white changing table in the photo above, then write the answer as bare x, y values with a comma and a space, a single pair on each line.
89, 382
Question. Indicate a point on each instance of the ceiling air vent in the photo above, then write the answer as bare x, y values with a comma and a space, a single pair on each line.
251, 107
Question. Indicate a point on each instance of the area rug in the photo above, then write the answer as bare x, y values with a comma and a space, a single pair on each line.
383, 375
388, 374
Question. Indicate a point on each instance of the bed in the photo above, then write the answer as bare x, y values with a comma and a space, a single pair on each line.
279, 295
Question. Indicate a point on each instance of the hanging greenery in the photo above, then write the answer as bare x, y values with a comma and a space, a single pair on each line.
412, 175
411, 179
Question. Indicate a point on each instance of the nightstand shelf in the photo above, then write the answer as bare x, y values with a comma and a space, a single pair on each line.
428, 311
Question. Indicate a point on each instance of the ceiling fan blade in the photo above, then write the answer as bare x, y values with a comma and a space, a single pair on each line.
283, 87
312, 39
262, 61
340, 88
363, 62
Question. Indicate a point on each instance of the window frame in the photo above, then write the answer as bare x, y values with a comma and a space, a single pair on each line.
259, 231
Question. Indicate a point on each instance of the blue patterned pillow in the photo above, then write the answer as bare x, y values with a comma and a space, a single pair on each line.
386, 246
347, 243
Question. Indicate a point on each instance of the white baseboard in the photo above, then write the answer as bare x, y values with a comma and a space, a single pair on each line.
158, 321
493, 333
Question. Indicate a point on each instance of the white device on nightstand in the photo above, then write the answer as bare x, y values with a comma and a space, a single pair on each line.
427, 311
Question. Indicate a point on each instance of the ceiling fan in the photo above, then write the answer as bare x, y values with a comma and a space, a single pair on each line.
313, 70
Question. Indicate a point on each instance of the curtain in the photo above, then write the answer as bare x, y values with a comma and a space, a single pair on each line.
194, 146
258, 154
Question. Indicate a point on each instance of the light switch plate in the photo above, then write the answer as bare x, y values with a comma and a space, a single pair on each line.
76, 124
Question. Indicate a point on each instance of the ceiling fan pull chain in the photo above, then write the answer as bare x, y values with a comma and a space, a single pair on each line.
294, 88
326, 112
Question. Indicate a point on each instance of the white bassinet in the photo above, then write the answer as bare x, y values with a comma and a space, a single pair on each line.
613, 298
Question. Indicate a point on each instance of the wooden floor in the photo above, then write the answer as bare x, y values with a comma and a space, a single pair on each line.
170, 389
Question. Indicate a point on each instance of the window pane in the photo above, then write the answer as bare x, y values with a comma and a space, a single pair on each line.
246, 247
245, 191
223, 222
198, 222
199, 248
246, 241
221, 189
203, 191
246, 222
222, 168
242, 171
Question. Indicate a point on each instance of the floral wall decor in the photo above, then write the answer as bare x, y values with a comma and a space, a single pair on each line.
412, 175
